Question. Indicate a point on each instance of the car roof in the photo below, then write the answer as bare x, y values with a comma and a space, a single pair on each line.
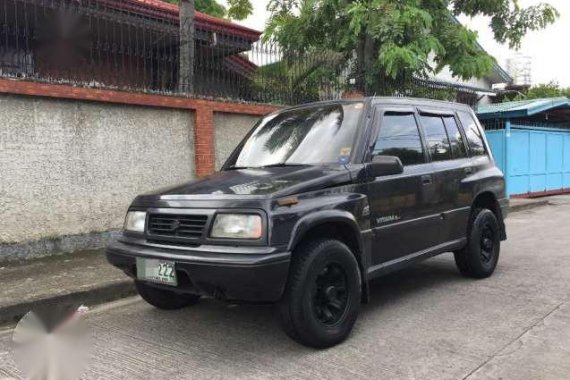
419, 102
380, 100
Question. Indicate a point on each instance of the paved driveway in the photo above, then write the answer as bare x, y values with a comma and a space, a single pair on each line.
424, 323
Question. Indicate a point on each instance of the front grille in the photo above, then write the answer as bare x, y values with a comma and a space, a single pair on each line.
184, 226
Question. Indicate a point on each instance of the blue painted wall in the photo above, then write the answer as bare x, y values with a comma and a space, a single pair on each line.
498, 146
533, 159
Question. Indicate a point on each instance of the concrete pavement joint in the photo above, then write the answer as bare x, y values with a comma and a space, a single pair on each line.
526, 331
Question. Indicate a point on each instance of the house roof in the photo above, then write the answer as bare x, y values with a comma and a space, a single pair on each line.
458, 86
240, 64
498, 75
523, 108
162, 10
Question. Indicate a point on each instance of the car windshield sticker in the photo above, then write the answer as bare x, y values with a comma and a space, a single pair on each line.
344, 156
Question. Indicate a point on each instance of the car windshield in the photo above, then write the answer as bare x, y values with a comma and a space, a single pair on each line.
317, 135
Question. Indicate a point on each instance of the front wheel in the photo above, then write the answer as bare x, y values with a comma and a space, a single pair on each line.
165, 299
322, 298
480, 256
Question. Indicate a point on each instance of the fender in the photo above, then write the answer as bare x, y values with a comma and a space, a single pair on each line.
317, 218
498, 209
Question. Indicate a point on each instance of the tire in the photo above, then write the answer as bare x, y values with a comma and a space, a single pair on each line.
165, 299
480, 256
322, 298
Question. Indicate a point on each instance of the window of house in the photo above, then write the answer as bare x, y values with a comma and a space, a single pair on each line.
473, 134
399, 136
437, 139
458, 149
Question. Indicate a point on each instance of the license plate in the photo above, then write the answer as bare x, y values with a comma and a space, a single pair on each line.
158, 271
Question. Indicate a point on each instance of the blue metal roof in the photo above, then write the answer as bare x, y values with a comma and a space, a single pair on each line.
521, 108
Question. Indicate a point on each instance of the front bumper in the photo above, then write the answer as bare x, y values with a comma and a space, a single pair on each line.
221, 272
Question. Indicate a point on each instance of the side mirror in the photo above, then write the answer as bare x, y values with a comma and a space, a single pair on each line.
384, 165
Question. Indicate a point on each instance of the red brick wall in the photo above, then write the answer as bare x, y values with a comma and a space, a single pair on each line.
204, 148
204, 141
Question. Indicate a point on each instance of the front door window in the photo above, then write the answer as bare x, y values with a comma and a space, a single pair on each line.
399, 136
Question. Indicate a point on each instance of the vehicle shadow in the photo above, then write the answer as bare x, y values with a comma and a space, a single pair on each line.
426, 276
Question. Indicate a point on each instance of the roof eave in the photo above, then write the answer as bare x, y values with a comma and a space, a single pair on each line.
542, 106
158, 8
499, 75
502, 73
547, 106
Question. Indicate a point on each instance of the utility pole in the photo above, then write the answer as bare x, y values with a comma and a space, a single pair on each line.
187, 48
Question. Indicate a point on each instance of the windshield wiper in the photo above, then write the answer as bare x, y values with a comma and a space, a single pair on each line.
237, 167
281, 165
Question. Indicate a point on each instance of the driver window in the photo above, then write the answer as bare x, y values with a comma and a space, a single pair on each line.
399, 136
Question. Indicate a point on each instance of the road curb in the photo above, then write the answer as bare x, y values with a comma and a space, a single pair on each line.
97, 295
528, 206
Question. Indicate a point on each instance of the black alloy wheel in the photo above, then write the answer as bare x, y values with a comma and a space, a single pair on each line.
323, 293
487, 243
479, 258
330, 297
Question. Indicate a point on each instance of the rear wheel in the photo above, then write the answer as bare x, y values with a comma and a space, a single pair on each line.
165, 299
322, 298
480, 256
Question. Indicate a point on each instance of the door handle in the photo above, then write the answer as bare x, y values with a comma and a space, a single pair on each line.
468, 171
427, 180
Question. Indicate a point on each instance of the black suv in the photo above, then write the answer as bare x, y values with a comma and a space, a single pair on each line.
315, 202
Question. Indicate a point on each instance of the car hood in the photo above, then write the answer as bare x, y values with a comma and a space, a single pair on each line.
274, 181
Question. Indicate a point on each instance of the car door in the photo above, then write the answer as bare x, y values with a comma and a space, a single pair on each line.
447, 151
400, 205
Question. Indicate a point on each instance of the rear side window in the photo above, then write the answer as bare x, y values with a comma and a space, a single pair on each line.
455, 137
399, 136
474, 138
437, 139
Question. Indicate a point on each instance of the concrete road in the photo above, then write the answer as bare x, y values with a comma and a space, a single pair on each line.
424, 323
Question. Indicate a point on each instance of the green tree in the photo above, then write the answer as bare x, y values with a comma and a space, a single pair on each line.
237, 10
389, 40
548, 90
296, 79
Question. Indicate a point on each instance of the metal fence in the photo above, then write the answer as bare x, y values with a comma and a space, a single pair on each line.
133, 46
499, 124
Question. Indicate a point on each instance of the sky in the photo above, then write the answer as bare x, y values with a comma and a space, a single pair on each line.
547, 48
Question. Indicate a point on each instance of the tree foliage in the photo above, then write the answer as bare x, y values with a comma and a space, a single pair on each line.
389, 39
237, 10
297, 79
548, 90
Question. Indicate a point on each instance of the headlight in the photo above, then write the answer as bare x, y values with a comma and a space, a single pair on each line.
135, 221
237, 226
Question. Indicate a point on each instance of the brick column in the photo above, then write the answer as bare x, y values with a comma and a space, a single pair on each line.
204, 148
